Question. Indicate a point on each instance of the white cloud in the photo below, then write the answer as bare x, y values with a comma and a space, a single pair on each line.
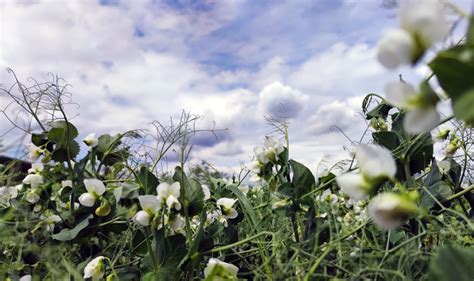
281, 101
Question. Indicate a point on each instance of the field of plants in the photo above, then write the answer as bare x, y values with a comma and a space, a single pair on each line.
391, 212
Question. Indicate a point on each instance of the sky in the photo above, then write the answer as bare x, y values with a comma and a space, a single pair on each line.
232, 62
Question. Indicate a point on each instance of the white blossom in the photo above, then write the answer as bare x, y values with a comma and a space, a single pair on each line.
396, 48
217, 270
375, 163
66, 183
206, 191
270, 150
95, 188
226, 206
389, 209
32, 196
34, 152
7, 193
33, 180
91, 141
422, 23
425, 20
150, 205
50, 221
36, 168
169, 194
25, 278
95, 268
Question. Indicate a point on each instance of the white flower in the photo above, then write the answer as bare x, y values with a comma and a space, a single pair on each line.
422, 23
95, 188
270, 150
66, 183
32, 196
25, 278
375, 163
91, 141
217, 270
396, 48
142, 218
33, 180
444, 166
422, 115
389, 209
328, 197
36, 168
169, 194
34, 152
51, 221
425, 20
7, 193
177, 224
244, 188
261, 154
421, 120
226, 206
94, 269
206, 191
150, 205
273, 145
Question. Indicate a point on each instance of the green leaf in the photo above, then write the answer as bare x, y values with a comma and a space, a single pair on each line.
380, 110
192, 195
172, 251
463, 107
454, 69
69, 234
303, 180
434, 176
440, 190
389, 140
70, 131
452, 264
63, 153
194, 198
147, 180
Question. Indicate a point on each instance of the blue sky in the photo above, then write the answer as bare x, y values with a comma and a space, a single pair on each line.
233, 62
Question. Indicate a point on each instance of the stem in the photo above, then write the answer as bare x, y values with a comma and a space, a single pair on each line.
461, 193
294, 223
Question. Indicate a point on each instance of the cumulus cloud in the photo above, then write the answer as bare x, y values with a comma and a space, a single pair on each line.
342, 114
281, 101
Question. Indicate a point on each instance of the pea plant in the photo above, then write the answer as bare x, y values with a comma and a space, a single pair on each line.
390, 212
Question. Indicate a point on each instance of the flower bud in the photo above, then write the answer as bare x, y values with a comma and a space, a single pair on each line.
103, 210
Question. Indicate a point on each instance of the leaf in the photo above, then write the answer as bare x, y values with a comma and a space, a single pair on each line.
389, 140
434, 176
147, 180
463, 107
192, 195
173, 250
69, 234
454, 69
64, 153
69, 129
303, 180
452, 264
195, 198
440, 190
380, 110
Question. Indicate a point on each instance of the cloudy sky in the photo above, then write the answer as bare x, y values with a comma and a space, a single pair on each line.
233, 62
